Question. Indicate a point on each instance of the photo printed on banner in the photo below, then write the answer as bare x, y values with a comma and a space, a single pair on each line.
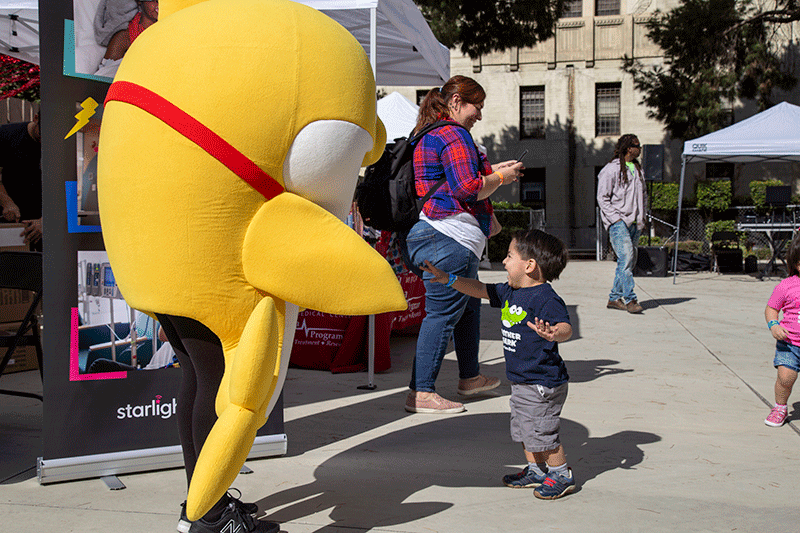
113, 337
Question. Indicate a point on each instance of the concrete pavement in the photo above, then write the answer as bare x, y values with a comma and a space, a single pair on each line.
663, 429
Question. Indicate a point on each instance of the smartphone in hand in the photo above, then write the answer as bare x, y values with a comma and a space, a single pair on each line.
522, 155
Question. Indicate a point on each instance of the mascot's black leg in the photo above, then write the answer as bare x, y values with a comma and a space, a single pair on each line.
202, 363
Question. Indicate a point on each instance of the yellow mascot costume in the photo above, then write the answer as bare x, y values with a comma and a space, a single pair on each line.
230, 147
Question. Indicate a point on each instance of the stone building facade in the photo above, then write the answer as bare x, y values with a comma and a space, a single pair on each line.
567, 101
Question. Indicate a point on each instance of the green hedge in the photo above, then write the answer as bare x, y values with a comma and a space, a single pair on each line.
720, 225
714, 195
695, 247
498, 245
664, 196
513, 217
758, 191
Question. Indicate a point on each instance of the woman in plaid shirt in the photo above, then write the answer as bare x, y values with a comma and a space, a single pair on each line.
451, 234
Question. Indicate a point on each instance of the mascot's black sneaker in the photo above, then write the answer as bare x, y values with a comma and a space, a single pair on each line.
261, 526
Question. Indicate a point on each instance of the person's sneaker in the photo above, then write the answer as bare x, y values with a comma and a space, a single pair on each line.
477, 385
433, 404
234, 519
633, 307
184, 524
617, 304
555, 486
249, 508
776, 417
524, 479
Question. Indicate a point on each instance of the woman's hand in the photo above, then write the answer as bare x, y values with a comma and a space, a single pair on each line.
11, 211
498, 166
510, 170
503, 174
496, 227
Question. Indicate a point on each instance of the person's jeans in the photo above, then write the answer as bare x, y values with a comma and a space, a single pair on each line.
447, 311
624, 240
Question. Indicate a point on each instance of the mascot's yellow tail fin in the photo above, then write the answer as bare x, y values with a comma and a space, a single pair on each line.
168, 7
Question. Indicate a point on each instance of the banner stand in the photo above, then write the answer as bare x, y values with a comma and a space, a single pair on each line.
127, 462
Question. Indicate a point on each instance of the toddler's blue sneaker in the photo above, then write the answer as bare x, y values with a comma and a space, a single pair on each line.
523, 480
555, 486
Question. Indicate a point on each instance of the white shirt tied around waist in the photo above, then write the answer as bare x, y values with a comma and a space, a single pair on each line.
462, 228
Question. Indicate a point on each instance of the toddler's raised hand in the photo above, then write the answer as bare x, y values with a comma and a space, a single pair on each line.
439, 275
544, 329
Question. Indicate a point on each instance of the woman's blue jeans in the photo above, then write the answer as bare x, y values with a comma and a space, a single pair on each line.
447, 311
624, 240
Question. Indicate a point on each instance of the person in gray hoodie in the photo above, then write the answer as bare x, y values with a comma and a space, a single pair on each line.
622, 199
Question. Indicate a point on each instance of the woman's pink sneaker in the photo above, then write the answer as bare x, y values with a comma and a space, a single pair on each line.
433, 404
776, 417
477, 385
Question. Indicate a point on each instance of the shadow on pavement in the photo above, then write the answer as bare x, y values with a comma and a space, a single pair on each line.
382, 482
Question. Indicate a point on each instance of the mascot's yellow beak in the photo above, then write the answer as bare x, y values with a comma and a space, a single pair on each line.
379, 146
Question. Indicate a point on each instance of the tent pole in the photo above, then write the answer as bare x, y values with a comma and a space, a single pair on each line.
373, 41
373, 61
678, 228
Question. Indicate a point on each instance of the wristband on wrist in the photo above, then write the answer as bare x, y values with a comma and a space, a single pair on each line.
502, 179
772, 323
452, 280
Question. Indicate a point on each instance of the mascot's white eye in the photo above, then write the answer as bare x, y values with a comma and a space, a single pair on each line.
323, 162
513, 310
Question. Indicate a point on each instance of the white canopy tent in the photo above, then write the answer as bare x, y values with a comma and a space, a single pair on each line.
398, 114
396, 37
19, 29
772, 135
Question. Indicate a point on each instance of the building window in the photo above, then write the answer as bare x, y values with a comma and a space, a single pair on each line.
572, 9
606, 7
608, 109
531, 112
532, 187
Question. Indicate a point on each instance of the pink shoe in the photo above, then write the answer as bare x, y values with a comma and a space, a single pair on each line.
776, 417
433, 404
477, 385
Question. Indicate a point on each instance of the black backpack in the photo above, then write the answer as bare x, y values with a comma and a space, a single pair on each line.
387, 197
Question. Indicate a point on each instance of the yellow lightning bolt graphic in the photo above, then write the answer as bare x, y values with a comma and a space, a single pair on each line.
83, 116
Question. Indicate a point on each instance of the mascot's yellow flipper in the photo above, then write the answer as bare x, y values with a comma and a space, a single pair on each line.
326, 269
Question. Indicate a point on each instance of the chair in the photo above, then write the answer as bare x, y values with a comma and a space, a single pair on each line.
778, 197
22, 270
725, 244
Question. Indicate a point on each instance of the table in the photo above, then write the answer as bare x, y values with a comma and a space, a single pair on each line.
778, 233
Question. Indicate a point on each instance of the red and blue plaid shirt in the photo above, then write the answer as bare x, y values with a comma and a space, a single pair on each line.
450, 151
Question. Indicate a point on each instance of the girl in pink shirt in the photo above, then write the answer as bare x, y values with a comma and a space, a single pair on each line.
786, 298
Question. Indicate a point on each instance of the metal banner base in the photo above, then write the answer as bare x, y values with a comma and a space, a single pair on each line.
112, 464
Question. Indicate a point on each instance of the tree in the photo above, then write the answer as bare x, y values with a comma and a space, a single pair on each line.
484, 26
18, 78
715, 52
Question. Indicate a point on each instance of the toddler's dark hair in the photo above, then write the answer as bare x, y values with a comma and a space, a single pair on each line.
793, 256
549, 252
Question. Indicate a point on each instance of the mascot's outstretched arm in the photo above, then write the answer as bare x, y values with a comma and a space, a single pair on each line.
236, 214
